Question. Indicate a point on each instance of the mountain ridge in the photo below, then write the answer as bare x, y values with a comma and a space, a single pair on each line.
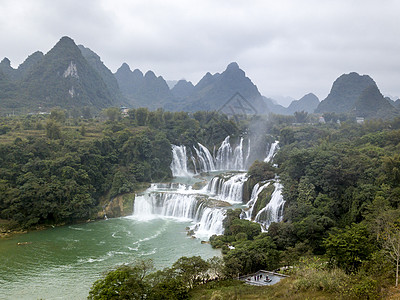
69, 76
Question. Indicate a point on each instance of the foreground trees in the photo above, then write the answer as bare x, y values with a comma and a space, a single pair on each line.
137, 282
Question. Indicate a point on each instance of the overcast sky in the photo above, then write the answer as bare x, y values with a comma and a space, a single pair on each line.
286, 47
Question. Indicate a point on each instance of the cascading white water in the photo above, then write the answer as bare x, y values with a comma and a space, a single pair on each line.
257, 189
226, 158
177, 205
272, 151
179, 162
205, 159
238, 156
232, 189
224, 154
180, 202
246, 162
229, 189
210, 222
194, 163
273, 211
231, 159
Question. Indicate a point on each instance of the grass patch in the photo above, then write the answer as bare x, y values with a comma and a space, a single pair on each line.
237, 290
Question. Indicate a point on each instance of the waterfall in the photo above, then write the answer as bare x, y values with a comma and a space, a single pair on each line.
210, 223
229, 189
198, 206
224, 154
232, 189
248, 153
272, 151
226, 158
257, 189
205, 159
194, 163
183, 204
238, 156
273, 211
231, 159
179, 162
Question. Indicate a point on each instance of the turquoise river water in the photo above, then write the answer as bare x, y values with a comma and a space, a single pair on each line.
63, 262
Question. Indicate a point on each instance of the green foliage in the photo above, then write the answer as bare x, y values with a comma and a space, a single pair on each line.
112, 113
125, 282
58, 115
136, 281
191, 269
301, 116
348, 248
261, 171
313, 275
250, 256
53, 130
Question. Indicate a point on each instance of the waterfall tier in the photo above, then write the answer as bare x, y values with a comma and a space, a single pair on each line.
204, 159
228, 188
273, 211
257, 189
226, 158
272, 151
179, 162
183, 203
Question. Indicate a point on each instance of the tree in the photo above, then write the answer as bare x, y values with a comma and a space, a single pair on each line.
53, 130
261, 171
86, 112
58, 115
391, 244
112, 113
125, 282
141, 116
301, 116
192, 270
348, 248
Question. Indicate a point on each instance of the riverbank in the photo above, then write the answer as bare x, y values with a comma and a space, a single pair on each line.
118, 206
6, 231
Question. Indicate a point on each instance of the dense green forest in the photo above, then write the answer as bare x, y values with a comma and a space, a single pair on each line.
55, 169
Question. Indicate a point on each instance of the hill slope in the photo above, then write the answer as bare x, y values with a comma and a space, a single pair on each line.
64, 78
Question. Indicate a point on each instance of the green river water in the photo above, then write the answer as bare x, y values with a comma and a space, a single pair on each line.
63, 262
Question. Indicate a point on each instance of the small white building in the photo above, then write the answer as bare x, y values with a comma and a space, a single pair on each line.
360, 120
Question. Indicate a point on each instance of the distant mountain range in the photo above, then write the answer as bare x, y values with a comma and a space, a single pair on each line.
72, 77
